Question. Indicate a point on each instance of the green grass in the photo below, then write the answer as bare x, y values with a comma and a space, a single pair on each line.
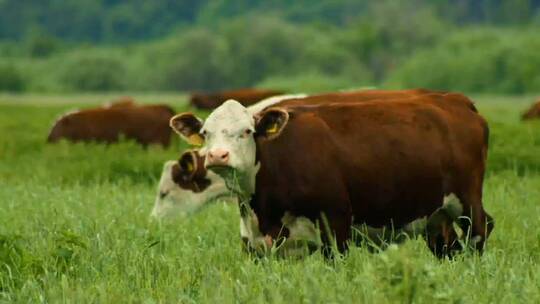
74, 228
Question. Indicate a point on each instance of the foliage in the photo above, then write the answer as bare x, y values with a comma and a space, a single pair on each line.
492, 61
313, 82
165, 45
130, 20
75, 228
10, 78
93, 72
197, 59
41, 45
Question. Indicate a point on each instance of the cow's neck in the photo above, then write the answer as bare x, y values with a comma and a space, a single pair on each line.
242, 184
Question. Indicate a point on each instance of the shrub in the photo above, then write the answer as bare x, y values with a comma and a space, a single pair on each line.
11, 79
263, 46
41, 45
94, 72
482, 60
312, 82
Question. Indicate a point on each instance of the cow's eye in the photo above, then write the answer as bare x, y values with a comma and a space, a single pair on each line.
248, 132
204, 132
162, 194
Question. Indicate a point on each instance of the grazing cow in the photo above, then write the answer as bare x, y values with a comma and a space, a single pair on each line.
382, 163
533, 112
146, 124
186, 186
246, 97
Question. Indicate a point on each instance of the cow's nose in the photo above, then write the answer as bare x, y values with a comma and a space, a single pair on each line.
218, 157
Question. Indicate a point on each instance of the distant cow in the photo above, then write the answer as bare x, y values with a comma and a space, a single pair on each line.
246, 97
533, 112
146, 124
382, 162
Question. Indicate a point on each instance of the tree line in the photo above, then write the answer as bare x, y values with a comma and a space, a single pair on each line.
473, 46
133, 20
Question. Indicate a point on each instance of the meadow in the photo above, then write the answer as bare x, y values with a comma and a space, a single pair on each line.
74, 228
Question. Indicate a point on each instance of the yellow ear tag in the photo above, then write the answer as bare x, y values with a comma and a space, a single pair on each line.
196, 140
272, 129
190, 167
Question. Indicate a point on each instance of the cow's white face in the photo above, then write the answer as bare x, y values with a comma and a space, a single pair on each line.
229, 135
229, 139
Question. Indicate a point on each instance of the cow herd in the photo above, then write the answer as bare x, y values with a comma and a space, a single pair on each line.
318, 171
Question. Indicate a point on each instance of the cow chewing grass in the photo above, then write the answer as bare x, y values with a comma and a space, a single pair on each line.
303, 156
186, 187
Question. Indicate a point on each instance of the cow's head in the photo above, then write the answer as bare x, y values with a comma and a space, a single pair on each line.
186, 186
229, 136
63, 127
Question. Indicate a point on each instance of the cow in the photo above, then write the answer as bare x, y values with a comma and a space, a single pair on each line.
146, 124
247, 97
533, 112
186, 186
379, 162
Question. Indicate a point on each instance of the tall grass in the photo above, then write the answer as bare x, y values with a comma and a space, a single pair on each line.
74, 228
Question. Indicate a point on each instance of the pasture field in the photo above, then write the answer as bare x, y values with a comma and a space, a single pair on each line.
74, 228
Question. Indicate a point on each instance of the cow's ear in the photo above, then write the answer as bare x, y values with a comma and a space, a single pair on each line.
176, 174
188, 127
187, 166
270, 123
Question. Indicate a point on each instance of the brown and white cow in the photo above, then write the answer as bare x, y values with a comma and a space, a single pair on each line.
246, 97
382, 162
146, 124
533, 112
186, 186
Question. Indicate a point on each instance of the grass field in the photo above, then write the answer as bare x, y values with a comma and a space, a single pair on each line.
74, 228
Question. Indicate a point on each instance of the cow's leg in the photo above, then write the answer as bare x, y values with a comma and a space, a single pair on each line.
477, 223
335, 227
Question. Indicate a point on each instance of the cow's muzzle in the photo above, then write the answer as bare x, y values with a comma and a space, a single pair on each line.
217, 158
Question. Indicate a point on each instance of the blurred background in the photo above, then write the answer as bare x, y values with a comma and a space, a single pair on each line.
474, 46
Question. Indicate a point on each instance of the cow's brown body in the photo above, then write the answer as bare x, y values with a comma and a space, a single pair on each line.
147, 124
355, 96
246, 97
533, 112
381, 162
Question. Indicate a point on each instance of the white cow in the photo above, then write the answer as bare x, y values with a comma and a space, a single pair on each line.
173, 200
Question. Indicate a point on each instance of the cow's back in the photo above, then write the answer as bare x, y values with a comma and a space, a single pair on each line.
144, 124
356, 96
